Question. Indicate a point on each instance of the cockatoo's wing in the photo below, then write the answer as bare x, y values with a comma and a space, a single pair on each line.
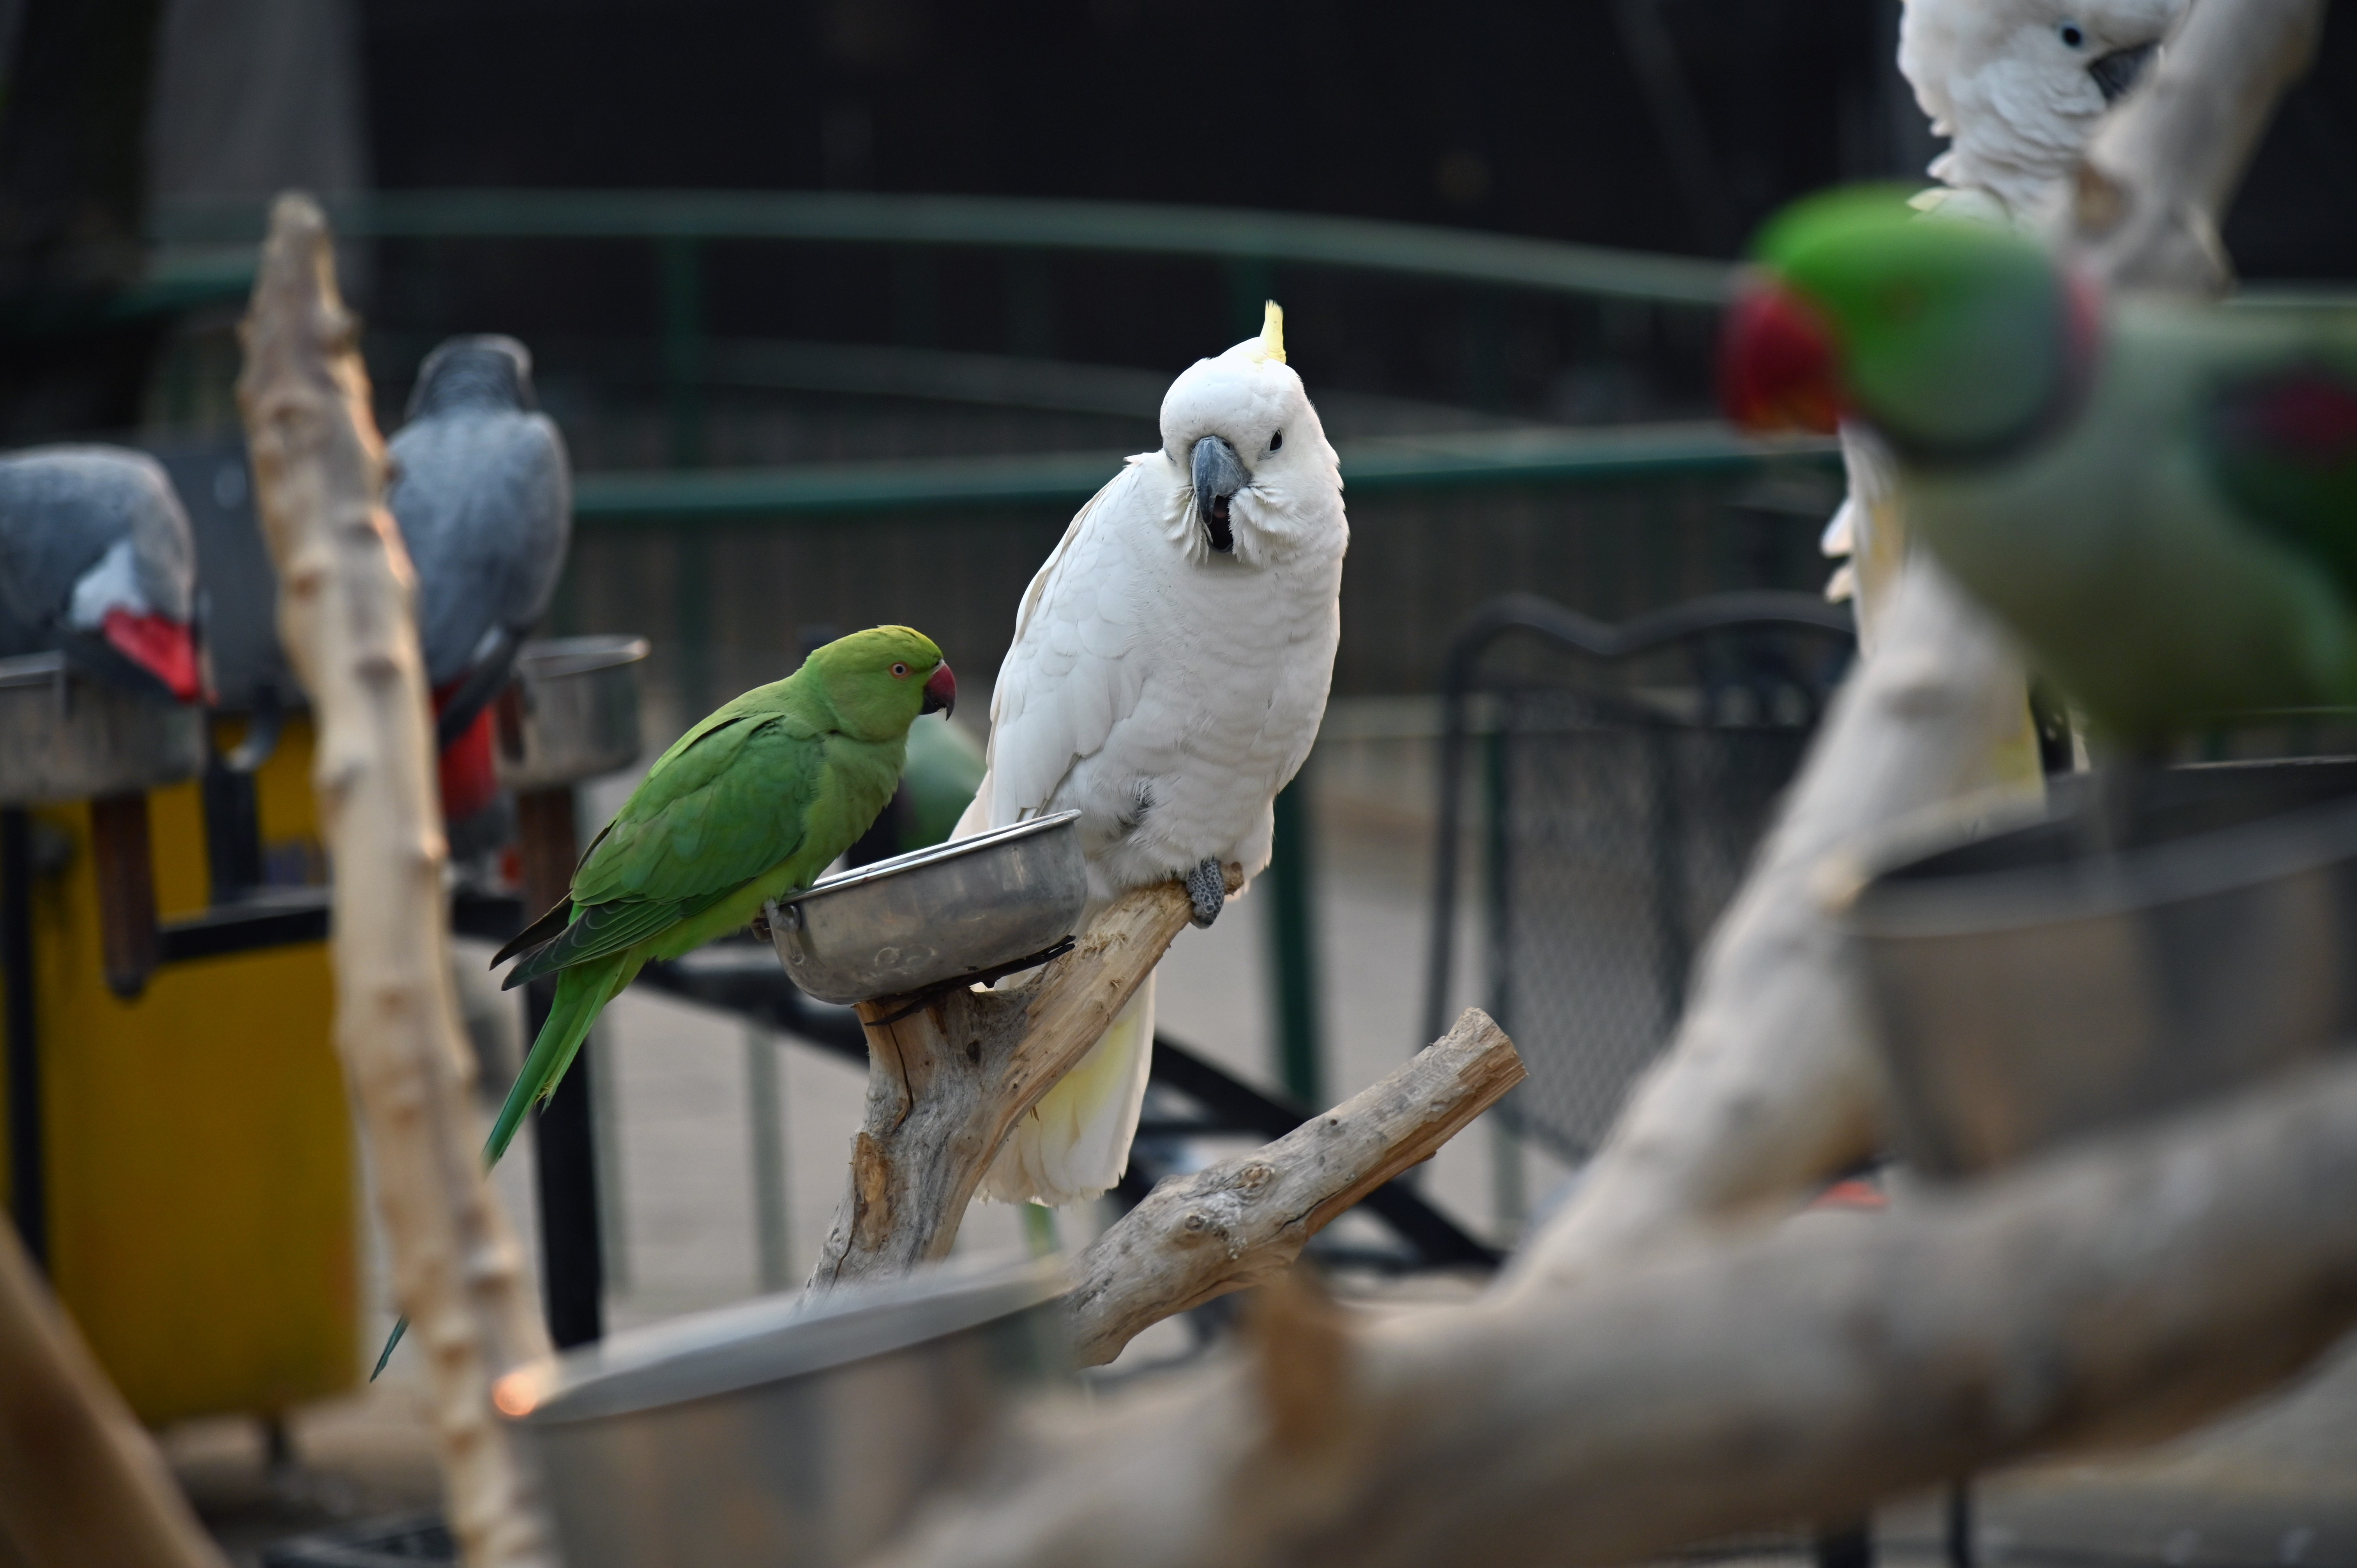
1072, 671
1071, 674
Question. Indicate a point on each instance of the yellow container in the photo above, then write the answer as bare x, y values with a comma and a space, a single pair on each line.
202, 1204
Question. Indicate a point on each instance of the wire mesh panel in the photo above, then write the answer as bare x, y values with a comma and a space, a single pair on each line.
1619, 780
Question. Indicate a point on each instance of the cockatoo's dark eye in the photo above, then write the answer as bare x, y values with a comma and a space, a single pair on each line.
2072, 35
1276, 441
899, 671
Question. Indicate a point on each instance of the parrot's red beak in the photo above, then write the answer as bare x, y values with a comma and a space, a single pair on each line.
1776, 368
165, 648
941, 692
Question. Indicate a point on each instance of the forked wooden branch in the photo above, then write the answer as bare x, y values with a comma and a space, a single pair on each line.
80, 1486
345, 618
1238, 1222
2120, 1294
947, 1082
1769, 1084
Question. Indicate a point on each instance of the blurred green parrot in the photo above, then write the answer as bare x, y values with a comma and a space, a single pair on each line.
747, 807
944, 768
2158, 497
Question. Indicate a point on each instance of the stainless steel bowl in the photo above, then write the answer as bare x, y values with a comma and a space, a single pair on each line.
786, 1434
576, 712
2031, 988
936, 913
65, 738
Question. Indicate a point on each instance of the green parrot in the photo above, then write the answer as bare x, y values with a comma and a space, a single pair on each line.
2158, 497
748, 806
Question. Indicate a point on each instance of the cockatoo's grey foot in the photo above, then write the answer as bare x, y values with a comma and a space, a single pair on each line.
1207, 885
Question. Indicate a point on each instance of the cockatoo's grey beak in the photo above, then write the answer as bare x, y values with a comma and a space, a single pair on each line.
1219, 474
2120, 70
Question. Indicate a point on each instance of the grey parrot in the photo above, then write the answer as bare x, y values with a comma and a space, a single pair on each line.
97, 563
483, 495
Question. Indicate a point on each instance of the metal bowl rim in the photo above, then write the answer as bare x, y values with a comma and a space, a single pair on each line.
780, 1339
580, 655
32, 670
2248, 854
917, 859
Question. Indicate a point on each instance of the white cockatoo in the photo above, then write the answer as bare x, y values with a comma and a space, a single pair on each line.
1168, 676
2018, 87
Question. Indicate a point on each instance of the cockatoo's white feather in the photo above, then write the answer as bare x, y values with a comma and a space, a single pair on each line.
2009, 83
1168, 691
2015, 87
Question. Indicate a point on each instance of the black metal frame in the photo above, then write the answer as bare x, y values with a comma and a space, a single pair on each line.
1528, 615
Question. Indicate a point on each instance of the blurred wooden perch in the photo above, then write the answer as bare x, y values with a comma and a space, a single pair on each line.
346, 620
80, 1485
1238, 1222
2121, 1294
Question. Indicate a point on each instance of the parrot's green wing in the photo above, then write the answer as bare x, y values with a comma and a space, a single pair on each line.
728, 803
2282, 448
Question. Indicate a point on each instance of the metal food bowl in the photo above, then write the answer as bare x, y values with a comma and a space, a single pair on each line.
802, 1436
935, 915
576, 712
66, 739
2032, 987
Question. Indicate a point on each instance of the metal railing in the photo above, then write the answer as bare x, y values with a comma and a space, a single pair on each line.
1623, 790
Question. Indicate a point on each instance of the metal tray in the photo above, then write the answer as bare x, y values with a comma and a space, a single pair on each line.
785, 1431
934, 915
575, 712
66, 739
2031, 988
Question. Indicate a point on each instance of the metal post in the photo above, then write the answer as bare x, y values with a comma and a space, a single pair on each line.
122, 853
1293, 941
565, 1145
29, 1196
1510, 1195
772, 1234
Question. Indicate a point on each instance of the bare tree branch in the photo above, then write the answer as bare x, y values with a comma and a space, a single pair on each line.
345, 618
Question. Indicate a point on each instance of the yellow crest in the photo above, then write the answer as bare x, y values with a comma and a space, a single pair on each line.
1272, 333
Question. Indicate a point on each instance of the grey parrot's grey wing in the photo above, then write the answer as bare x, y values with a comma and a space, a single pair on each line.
536, 482
62, 508
483, 499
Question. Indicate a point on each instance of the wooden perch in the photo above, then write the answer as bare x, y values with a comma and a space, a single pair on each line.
2160, 173
2122, 1292
80, 1486
1769, 1084
947, 1082
1238, 1222
346, 620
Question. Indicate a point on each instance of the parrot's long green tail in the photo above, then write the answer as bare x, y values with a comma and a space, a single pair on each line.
582, 992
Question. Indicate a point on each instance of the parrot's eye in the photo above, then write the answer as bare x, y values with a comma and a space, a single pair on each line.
2072, 35
899, 671
1277, 442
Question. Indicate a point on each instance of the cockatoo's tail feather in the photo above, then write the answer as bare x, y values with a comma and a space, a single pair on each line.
1075, 1143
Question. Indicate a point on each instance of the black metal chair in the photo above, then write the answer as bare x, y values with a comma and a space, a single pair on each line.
1624, 775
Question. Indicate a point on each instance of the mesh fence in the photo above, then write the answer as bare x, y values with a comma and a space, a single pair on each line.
1618, 801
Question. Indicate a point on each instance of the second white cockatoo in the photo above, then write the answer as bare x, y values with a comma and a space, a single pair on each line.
1168, 673
2018, 87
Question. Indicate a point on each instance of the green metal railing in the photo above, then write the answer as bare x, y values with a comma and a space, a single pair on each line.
1226, 234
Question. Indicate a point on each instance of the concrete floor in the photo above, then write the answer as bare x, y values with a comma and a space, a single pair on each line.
688, 1112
